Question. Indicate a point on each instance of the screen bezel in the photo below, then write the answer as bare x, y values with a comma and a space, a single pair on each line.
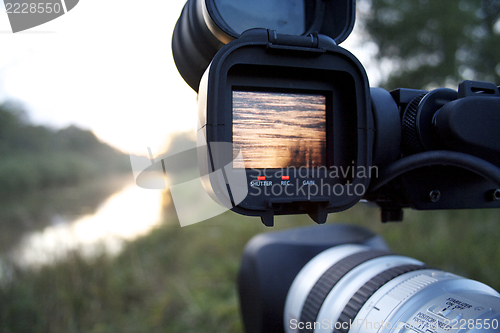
341, 140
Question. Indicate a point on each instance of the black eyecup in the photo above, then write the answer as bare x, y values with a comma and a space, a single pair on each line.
266, 271
194, 45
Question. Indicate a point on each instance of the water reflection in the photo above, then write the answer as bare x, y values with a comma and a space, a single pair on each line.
125, 215
28, 212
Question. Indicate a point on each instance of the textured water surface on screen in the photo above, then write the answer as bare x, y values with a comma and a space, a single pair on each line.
278, 130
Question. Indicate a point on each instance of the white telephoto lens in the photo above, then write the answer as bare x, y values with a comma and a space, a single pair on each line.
355, 289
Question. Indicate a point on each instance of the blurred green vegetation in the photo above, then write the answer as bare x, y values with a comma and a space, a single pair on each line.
184, 279
435, 43
37, 157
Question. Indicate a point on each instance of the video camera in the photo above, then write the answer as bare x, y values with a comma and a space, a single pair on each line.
288, 124
311, 136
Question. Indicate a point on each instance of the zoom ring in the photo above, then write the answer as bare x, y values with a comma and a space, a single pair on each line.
357, 301
328, 280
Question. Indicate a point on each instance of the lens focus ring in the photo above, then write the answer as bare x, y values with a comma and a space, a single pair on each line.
367, 290
329, 279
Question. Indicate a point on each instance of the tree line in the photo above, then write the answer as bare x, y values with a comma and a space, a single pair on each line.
33, 157
429, 44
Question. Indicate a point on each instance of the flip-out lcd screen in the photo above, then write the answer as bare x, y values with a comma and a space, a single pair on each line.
279, 129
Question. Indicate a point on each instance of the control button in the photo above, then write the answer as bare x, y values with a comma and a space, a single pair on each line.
261, 178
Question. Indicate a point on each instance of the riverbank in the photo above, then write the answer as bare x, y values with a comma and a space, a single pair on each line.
183, 279
37, 157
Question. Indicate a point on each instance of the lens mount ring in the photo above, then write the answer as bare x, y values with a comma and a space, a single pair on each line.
359, 299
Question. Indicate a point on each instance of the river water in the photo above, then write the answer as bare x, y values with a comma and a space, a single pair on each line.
42, 227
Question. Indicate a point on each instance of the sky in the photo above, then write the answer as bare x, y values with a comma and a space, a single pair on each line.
105, 66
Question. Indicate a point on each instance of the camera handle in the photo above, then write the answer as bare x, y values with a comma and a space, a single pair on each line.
441, 132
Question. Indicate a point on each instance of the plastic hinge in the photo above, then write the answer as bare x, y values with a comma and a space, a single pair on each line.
309, 43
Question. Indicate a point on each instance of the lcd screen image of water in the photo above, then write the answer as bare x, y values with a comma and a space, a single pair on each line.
279, 129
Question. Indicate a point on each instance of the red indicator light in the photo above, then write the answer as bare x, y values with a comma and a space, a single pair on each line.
261, 178
285, 177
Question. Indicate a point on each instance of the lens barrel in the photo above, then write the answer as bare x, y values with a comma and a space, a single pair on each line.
353, 288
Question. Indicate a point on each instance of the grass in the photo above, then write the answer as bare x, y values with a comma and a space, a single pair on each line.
463, 242
183, 279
